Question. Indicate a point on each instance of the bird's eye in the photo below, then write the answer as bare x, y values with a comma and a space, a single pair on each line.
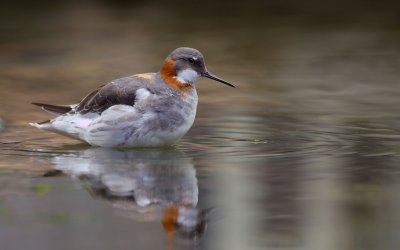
191, 60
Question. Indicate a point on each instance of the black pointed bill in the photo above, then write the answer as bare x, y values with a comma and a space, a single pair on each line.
213, 77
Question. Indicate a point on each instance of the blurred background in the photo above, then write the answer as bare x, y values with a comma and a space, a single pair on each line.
303, 154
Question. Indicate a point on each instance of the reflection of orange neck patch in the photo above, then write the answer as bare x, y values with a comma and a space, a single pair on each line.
168, 74
169, 219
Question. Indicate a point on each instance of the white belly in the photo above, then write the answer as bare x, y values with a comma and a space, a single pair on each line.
160, 137
123, 126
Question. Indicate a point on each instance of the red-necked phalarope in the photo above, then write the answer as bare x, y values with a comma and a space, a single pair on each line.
144, 110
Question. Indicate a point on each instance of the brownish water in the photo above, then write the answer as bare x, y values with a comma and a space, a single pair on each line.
303, 154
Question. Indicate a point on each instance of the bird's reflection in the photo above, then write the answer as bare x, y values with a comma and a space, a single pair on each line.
142, 184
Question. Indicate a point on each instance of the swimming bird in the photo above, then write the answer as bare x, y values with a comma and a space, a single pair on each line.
143, 110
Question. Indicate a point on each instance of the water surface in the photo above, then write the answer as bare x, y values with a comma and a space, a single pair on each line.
303, 154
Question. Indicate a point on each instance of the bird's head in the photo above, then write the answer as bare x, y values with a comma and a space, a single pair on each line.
185, 66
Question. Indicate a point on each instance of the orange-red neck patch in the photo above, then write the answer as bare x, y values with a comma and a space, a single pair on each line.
168, 74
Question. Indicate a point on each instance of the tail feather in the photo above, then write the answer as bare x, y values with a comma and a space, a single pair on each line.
54, 109
71, 125
41, 125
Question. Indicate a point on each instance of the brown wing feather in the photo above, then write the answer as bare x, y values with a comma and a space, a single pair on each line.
54, 109
89, 96
121, 91
84, 105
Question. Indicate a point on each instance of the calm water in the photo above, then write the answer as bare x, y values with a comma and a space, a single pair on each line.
303, 154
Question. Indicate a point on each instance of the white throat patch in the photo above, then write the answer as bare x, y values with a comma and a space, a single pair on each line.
187, 75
